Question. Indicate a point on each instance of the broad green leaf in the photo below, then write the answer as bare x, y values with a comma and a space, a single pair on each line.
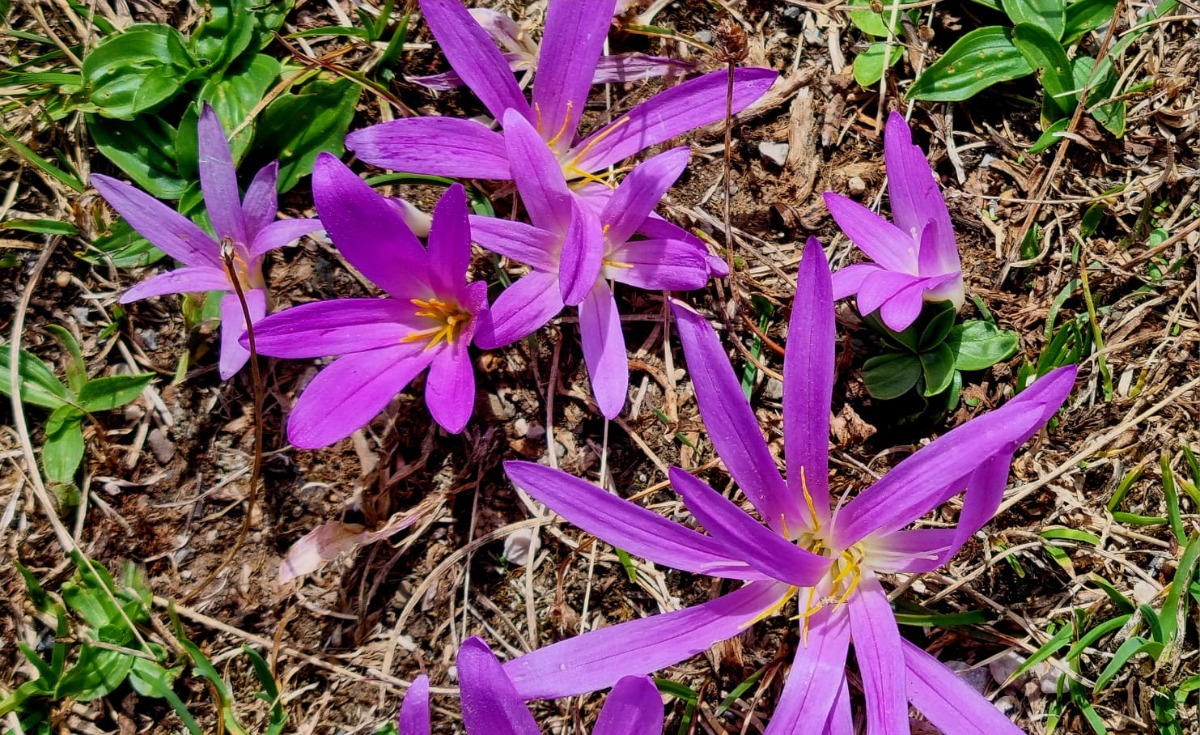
233, 97
225, 33
938, 326
123, 247
892, 375
981, 58
1083, 16
870, 22
63, 450
137, 70
869, 65
1053, 134
298, 126
937, 365
76, 367
978, 345
1049, 15
1042, 51
144, 149
96, 673
39, 387
1103, 84
103, 394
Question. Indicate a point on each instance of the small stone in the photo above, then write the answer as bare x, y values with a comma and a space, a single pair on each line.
62, 279
559, 450
791, 11
1049, 679
976, 676
856, 185
1007, 705
1003, 667
1144, 592
521, 426
162, 447
521, 546
82, 315
407, 643
705, 37
776, 153
773, 390
149, 338
535, 432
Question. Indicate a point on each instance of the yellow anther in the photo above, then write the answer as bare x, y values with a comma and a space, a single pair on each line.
561, 131
450, 320
592, 143
772, 609
615, 264
812, 508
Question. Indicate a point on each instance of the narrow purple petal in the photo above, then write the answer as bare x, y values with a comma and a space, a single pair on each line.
732, 427
640, 192
603, 657
604, 349
336, 327
443, 82
282, 232
933, 258
880, 659
913, 550
233, 326
471, 53
883, 242
582, 256
450, 388
166, 229
848, 280
414, 710
346, 395
490, 703
516, 240
626, 525
914, 194
879, 286
261, 203
368, 230
504, 30
657, 228
571, 46
538, 175
449, 242
436, 146
948, 702
634, 707
841, 719
818, 673
670, 113
522, 309
621, 68
218, 179
667, 265
808, 373
189, 279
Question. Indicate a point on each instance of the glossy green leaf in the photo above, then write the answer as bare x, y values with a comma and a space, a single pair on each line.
96, 673
938, 327
1103, 84
137, 70
1053, 134
1083, 16
39, 387
76, 367
978, 345
63, 450
869, 65
103, 394
1060, 638
298, 126
892, 375
123, 247
1043, 51
870, 22
979, 59
144, 149
1049, 15
226, 32
937, 366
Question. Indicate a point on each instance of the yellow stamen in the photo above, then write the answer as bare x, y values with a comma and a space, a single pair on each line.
812, 509
573, 166
450, 321
561, 131
615, 264
772, 609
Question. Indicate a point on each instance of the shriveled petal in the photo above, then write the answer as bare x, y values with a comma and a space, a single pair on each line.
626, 525
449, 242
746, 538
346, 395
883, 242
414, 710
670, 113
516, 240
437, 146
604, 349
915, 197
808, 373
282, 232
538, 175
880, 286
948, 702
233, 326
818, 672
336, 327
582, 256
490, 703
571, 46
472, 54
603, 657
189, 279
261, 203
633, 708
450, 388
166, 229
880, 660
732, 427
369, 231
520, 310
848, 280
941, 469
640, 192
668, 265
621, 68
218, 179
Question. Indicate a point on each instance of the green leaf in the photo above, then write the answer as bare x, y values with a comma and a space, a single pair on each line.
123, 247
225, 34
1043, 51
869, 65
1174, 610
1051, 136
40, 226
978, 345
96, 674
1049, 15
39, 387
1118, 599
298, 126
979, 59
76, 367
1109, 113
1061, 638
891, 375
64, 448
136, 71
1083, 16
937, 328
937, 366
103, 394
144, 149
870, 22
1127, 650
40, 163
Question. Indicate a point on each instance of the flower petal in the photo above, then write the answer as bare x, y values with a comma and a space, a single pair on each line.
538, 175
818, 673
490, 703
346, 395
437, 146
882, 241
627, 526
808, 373
732, 427
670, 113
522, 309
282, 232
640, 192
948, 702
474, 56
449, 242
571, 46
602, 657
915, 197
218, 179
516, 241
368, 230
634, 707
189, 279
336, 327
841, 719
604, 349
233, 326
880, 660
903, 308
582, 255
450, 388
633, 67
746, 538
877, 287
166, 229
414, 710
667, 265
847, 281
261, 203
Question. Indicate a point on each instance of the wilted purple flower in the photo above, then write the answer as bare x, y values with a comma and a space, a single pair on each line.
491, 705
520, 52
248, 225
574, 251
427, 321
830, 561
571, 47
916, 259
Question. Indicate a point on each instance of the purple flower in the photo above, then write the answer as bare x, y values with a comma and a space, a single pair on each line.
571, 47
574, 249
491, 705
828, 561
427, 321
916, 259
520, 52
248, 225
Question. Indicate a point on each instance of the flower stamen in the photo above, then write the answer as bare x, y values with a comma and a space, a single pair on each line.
450, 321
772, 609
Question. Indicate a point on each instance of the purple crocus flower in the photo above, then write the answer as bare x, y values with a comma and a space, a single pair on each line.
520, 52
575, 248
248, 226
571, 47
427, 321
915, 259
491, 705
856, 542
